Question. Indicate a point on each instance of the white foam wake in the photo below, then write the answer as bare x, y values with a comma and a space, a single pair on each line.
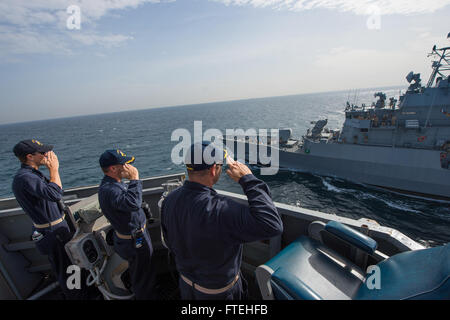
363, 195
332, 188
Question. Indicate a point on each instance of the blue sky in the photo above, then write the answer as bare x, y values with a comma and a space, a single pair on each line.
136, 54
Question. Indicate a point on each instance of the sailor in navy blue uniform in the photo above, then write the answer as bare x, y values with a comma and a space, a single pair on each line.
205, 231
122, 205
39, 197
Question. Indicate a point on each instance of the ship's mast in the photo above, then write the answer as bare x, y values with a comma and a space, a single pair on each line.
441, 65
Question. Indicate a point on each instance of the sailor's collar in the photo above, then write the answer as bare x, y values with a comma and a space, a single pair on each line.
28, 167
197, 186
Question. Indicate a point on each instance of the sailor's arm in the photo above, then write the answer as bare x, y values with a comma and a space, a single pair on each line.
41, 189
164, 237
130, 200
260, 219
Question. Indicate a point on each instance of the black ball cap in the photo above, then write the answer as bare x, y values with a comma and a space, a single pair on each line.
206, 156
30, 146
113, 157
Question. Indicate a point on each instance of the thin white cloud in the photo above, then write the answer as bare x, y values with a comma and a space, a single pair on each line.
359, 7
348, 67
40, 26
38, 12
29, 41
107, 41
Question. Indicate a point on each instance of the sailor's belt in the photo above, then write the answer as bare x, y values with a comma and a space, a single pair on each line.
128, 236
210, 291
51, 224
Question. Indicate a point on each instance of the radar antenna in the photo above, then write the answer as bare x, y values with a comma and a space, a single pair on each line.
413, 77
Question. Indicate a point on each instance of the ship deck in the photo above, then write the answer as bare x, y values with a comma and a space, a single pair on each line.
24, 271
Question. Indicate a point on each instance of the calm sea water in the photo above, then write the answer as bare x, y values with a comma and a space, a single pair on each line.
146, 134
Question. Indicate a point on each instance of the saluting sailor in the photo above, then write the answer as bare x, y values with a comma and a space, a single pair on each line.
122, 205
205, 231
39, 197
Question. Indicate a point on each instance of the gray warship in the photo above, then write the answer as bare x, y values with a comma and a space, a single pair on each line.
404, 147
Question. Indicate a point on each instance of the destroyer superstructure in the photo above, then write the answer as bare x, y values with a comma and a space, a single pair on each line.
404, 147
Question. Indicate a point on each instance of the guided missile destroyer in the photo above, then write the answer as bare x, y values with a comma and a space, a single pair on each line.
404, 147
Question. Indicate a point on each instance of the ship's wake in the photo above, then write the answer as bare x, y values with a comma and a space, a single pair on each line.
327, 182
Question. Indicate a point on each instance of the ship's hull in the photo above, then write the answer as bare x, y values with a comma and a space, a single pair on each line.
411, 171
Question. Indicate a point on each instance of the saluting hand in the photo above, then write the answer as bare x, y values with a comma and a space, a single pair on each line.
51, 161
130, 172
237, 170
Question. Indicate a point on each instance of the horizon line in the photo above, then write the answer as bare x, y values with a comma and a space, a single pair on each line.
191, 104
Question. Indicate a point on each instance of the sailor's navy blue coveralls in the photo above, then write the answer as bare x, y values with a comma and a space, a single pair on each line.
205, 232
39, 199
121, 205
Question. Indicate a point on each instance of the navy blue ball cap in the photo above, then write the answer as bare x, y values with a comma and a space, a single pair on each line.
113, 157
203, 155
25, 147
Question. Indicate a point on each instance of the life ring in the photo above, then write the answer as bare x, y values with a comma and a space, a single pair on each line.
421, 139
443, 155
